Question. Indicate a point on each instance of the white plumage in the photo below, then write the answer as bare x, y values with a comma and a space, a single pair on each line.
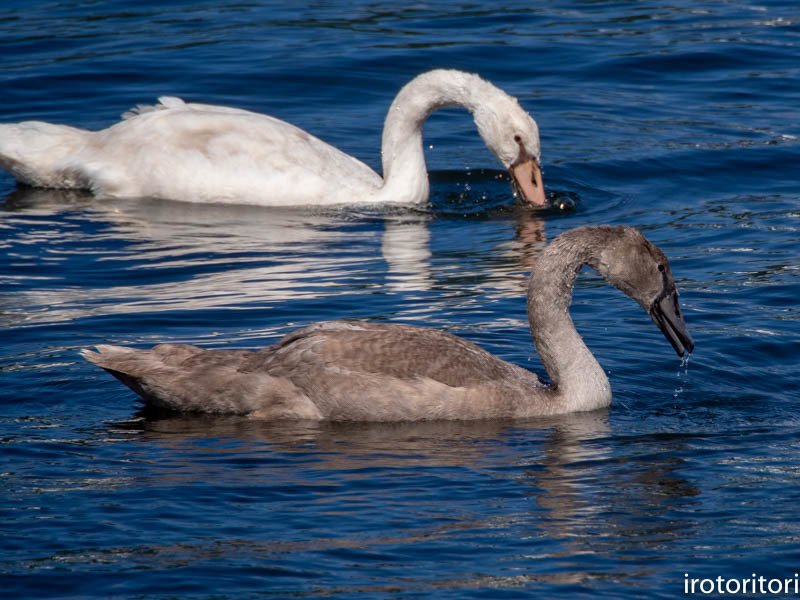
203, 153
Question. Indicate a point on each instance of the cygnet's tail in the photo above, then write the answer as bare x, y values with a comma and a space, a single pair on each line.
132, 367
42, 154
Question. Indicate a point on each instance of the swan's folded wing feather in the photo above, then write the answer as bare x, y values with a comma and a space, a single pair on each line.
204, 153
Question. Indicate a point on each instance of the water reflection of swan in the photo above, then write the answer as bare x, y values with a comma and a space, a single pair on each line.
225, 255
353, 371
239, 254
204, 153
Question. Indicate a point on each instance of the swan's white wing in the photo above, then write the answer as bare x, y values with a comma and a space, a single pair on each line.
204, 153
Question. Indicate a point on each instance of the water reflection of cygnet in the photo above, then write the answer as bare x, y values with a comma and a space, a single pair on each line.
547, 454
222, 255
556, 485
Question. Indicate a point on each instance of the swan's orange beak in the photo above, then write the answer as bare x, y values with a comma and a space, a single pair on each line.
526, 177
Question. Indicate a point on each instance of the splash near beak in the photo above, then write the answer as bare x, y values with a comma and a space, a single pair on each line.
526, 179
666, 312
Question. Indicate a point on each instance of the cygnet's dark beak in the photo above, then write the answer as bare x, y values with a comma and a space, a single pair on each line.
666, 312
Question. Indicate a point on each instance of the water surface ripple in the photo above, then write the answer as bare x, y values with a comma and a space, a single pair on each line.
679, 118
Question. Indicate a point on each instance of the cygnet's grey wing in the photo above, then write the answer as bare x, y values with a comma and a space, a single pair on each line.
395, 350
190, 379
386, 372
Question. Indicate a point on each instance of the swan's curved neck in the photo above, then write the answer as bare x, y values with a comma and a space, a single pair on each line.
578, 382
404, 174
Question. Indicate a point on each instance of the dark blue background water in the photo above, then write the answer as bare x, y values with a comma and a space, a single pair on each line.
680, 118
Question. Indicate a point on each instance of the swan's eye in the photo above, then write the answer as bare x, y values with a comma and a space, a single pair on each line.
517, 139
661, 268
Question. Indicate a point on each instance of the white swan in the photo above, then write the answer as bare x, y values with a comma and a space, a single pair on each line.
361, 371
203, 153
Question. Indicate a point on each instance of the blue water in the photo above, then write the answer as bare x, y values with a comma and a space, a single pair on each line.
680, 118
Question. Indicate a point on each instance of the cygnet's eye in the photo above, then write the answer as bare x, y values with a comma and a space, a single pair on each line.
517, 138
661, 268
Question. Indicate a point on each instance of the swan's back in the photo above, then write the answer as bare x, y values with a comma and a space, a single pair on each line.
206, 153
190, 152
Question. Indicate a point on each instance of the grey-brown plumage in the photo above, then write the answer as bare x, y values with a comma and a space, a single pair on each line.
362, 371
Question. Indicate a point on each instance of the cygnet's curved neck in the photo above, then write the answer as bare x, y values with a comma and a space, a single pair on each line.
404, 174
578, 382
